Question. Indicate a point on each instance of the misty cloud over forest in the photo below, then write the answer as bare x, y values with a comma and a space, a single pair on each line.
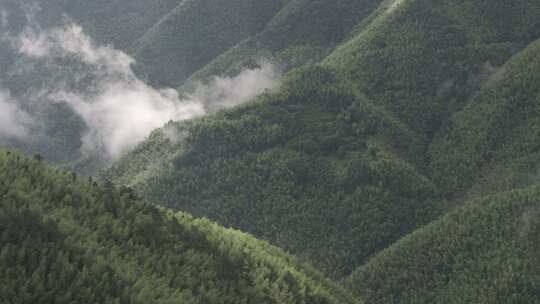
118, 108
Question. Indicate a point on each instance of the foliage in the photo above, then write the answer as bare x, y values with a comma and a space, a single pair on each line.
66, 239
341, 162
301, 32
296, 169
423, 59
387, 119
195, 32
498, 128
484, 252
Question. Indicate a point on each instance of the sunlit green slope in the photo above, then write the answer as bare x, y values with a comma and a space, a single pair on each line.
487, 148
65, 239
423, 59
484, 252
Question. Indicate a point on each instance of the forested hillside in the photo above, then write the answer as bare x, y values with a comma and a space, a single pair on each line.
423, 60
302, 32
484, 252
66, 239
342, 161
297, 174
394, 146
492, 145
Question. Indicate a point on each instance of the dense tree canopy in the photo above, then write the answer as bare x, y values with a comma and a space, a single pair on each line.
484, 252
66, 239
399, 154
351, 154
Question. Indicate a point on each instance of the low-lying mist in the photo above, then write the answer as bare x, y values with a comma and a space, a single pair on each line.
98, 83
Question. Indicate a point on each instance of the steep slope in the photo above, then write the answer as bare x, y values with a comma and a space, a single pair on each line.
195, 32
423, 59
169, 30
293, 168
118, 22
64, 239
333, 167
492, 145
484, 252
301, 32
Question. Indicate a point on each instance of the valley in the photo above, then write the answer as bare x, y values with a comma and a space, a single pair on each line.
291, 151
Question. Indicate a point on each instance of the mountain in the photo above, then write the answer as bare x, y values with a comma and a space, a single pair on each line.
355, 151
301, 32
195, 32
117, 22
293, 173
398, 153
492, 144
423, 60
483, 252
65, 239
204, 38
28, 78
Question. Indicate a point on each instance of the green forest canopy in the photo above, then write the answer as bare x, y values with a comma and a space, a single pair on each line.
66, 239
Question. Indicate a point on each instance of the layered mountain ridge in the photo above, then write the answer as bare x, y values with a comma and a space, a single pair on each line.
399, 154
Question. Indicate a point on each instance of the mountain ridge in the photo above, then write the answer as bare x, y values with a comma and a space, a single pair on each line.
98, 243
372, 123
398, 154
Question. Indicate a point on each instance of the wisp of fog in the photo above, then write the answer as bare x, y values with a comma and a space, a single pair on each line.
13, 120
119, 109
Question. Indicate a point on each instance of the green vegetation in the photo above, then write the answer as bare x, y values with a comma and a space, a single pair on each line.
66, 239
424, 59
340, 162
498, 131
400, 153
302, 32
295, 169
484, 252
195, 32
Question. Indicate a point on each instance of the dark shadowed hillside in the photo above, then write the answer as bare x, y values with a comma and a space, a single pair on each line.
195, 32
493, 142
302, 32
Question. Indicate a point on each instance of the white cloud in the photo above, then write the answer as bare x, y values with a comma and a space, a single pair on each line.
224, 92
124, 114
14, 122
71, 41
119, 109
